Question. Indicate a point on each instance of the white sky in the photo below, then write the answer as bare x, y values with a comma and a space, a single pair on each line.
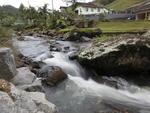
36, 3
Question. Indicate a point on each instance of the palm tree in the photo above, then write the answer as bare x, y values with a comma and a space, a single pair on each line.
43, 11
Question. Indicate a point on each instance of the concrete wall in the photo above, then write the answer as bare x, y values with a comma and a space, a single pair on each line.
119, 16
110, 16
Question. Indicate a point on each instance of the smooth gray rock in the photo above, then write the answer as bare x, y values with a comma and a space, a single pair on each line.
7, 64
23, 77
19, 101
36, 86
6, 103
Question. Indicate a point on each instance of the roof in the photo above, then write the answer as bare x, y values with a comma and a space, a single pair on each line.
89, 4
144, 6
63, 7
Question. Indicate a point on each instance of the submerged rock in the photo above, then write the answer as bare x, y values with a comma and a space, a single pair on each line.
73, 55
52, 75
7, 64
127, 55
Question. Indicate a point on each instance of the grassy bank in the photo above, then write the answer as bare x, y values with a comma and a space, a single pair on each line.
124, 26
71, 29
115, 27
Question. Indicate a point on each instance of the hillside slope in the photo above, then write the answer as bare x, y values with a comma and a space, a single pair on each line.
8, 9
120, 5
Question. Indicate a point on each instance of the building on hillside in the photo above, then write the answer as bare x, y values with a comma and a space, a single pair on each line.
141, 10
88, 10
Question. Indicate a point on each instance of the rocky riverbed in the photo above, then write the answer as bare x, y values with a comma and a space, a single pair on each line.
47, 77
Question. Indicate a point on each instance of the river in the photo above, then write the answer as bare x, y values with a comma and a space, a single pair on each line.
80, 95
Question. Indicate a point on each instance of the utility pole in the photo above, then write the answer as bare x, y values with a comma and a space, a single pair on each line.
52, 6
28, 3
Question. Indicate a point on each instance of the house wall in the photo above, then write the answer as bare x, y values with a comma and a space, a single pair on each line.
140, 16
143, 16
90, 11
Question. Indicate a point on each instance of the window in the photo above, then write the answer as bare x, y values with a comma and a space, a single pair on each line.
87, 9
98, 9
80, 10
92, 9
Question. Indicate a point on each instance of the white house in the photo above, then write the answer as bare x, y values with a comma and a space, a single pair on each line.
86, 9
90, 9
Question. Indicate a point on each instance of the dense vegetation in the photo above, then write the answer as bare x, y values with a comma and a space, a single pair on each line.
29, 17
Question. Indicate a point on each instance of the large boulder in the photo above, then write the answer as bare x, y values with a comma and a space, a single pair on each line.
52, 75
31, 102
7, 64
125, 55
18, 101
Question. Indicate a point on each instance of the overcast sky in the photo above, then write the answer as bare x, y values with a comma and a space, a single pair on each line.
35, 3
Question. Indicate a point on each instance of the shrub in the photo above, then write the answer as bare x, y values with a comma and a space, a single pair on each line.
4, 32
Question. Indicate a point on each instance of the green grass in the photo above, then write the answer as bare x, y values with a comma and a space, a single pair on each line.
122, 4
114, 27
124, 26
85, 30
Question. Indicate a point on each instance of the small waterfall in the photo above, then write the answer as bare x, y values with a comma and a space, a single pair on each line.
62, 60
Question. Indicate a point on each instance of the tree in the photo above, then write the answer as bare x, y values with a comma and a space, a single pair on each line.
43, 11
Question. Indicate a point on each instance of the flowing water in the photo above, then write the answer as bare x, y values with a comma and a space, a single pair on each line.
77, 95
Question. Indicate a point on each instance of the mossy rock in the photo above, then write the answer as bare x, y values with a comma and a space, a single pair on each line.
5, 86
77, 33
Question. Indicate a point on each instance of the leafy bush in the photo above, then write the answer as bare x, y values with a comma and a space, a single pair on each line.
8, 21
4, 32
